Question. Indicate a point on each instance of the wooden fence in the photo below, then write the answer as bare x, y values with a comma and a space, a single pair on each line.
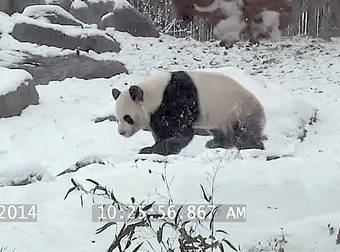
315, 18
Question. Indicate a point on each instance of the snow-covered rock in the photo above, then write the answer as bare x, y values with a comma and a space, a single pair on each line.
68, 37
51, 14
119, 4
16, 92
91, 11
46, 69
23, 174
66, 4
11, 6
128, 19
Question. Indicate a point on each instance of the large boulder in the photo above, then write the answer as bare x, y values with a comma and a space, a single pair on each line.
66, 4
11, 6
46, 69
30, 30
128, 19
51, 14
91, 11
16, 92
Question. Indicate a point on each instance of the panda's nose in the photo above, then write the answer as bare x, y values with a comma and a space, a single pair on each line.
122, 133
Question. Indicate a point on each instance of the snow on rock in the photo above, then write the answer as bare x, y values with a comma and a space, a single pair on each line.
6, 25
91, 12
129, 20
58, 68
68, 37
23, 174
16, 92
66, 4
86, 161
228, 29
269, 25
51, 14
11, 79
119, 4
78, 4
14, 51
271, 22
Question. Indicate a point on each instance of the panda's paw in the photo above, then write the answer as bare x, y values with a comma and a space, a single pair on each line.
212, 144
147, 150
166, 147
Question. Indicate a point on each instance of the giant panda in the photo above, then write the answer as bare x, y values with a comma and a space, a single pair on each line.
175, 104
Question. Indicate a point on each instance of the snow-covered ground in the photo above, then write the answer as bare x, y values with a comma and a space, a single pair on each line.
299, 193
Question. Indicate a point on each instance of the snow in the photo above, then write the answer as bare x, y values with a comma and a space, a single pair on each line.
271, 20
67, 29
120, 4
12, 79
12, 51
270, 25
41, 10
298, 192
230, 28
78, 4
5, 25
97, 1
107, 15
26, 172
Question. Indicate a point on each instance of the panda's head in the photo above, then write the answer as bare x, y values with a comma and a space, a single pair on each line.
129, 110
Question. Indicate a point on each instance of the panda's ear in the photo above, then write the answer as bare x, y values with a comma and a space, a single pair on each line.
115, 93
136, 93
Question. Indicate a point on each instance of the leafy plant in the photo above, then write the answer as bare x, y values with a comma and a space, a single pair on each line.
168, 233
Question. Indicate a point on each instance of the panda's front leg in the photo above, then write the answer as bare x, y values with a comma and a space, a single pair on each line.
163, 147
167, 146
147, 150
170, 145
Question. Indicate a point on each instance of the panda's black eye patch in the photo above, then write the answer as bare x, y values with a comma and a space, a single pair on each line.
128, 119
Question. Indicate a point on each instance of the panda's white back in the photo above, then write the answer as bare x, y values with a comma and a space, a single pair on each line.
222, 100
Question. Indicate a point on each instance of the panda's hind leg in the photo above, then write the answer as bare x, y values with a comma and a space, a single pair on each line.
221, 139
249, 134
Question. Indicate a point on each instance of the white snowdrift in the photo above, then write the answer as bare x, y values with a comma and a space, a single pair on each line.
11, 79
24, 173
